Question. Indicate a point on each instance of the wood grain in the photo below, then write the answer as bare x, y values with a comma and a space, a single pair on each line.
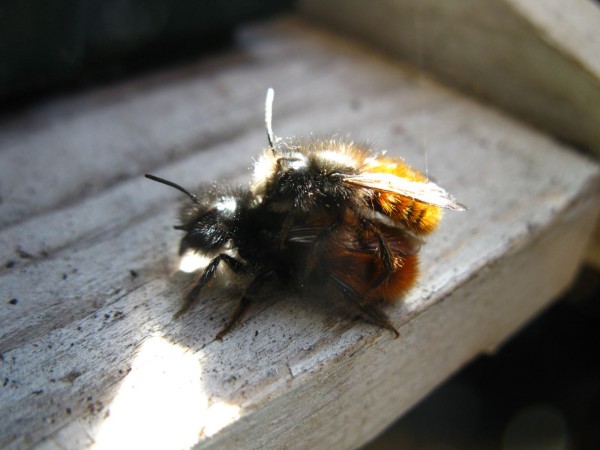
91, 356
537, 60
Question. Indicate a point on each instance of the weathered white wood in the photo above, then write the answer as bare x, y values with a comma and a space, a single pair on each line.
538, 59
90, 353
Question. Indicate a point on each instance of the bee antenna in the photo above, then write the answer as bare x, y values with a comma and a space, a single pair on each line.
269, 117
175, 185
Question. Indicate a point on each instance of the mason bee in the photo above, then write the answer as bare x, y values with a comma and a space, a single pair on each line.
321, 213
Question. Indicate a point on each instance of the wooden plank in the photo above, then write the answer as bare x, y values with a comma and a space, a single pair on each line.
538, 60
91, 356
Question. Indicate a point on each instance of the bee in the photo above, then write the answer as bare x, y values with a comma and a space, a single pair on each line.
321, 214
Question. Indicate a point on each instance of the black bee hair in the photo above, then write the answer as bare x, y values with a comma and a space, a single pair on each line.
227, 223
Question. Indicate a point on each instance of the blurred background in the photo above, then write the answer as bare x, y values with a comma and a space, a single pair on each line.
51, 45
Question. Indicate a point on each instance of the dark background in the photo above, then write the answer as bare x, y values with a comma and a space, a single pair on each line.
541, 390
49, 45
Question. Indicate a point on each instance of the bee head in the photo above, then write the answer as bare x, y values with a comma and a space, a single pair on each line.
208, 219
209, 222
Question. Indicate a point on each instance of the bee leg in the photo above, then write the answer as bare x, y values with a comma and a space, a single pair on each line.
285, 228
313, 254
244, 302
370, 312
384, 253
235, 265
239, 311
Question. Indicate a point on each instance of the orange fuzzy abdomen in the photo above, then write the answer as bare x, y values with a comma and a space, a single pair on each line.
355, 257
398, 282
419, 217
361, 271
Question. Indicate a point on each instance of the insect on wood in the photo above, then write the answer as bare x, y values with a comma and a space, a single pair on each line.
320, 214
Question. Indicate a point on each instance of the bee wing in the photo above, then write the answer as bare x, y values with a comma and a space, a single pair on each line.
303, 235
401, 244
424, 192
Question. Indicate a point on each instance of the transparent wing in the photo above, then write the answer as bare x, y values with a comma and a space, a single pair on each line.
424, 192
